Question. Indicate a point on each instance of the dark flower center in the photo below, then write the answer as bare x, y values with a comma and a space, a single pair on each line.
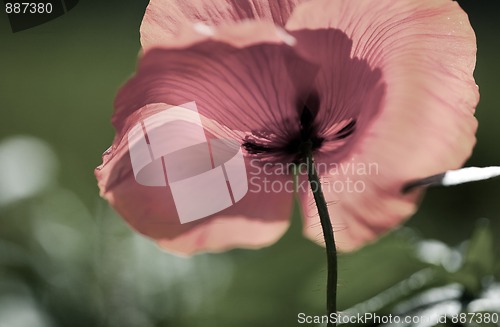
297, 145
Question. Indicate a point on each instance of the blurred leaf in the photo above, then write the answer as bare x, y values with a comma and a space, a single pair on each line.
480, 250
12, 254
376, 276
479, 259
437, 288
375, 268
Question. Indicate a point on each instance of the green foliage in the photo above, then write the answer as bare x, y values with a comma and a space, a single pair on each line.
479, 260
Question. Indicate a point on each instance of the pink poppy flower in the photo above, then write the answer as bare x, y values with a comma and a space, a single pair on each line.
383, 90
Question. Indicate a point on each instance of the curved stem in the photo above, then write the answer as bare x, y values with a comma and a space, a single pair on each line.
326, 224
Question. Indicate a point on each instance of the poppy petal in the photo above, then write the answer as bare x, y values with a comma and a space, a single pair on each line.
425, 51
165, 20
151, 200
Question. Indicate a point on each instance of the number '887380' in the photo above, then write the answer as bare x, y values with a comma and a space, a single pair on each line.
28, 8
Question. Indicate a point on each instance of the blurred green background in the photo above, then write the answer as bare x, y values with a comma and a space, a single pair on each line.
66, 259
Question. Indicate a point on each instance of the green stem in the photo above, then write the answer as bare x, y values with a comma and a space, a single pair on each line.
326, 224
